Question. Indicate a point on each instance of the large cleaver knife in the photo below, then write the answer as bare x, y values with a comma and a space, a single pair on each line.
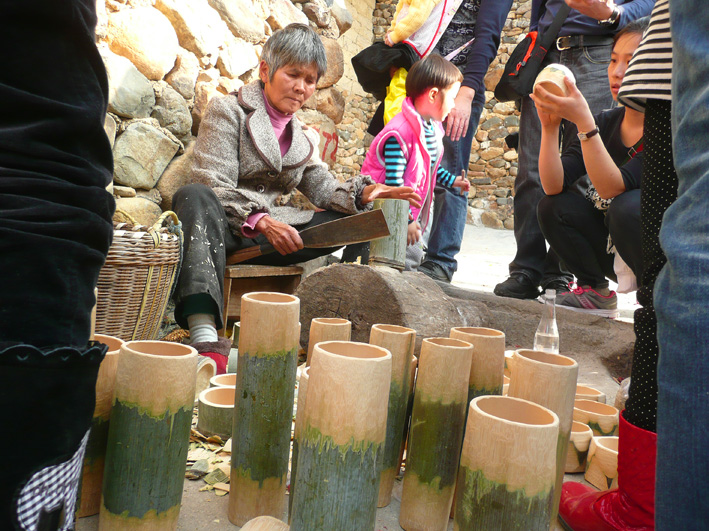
345, 231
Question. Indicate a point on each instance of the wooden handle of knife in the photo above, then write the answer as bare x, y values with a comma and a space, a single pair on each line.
249, 253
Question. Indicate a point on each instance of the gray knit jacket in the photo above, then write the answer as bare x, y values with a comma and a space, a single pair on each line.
237, 154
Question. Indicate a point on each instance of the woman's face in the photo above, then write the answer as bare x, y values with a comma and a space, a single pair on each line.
290, 87
620, 57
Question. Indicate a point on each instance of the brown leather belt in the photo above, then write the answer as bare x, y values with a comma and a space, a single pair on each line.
577, 41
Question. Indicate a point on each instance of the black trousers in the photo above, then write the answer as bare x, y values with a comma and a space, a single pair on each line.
208, 242
578, 233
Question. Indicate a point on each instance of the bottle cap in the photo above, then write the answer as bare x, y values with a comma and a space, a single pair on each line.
550, 293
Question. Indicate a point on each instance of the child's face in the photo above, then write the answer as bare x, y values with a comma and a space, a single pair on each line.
445, 101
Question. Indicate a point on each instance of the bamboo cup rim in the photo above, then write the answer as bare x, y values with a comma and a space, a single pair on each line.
330, 320
353, 350
609, 443
218, 396
478, 331
448, 342
599, 408
582, 389
537, 356
270, 297
114, 343
580, 427
223, 380
514, 411
159, 349
394, 329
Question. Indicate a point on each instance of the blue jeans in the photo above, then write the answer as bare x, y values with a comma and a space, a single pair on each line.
589, 65
682, 288
450, 208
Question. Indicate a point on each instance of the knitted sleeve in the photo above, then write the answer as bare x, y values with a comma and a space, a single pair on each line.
413, 19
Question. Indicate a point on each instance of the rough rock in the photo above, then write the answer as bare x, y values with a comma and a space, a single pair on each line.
145, 37
199, 28
101, 20
327, 132
124, 191
184, 75
493, 76
342, 15
110, 126
227, 85
335, 63
282, 13
144, 211
171, 110
240, 19
176, 175
203, 93
141, 154
331, 103
130, 94
151, 195
491, 220
318, 12
491, 153
236, 58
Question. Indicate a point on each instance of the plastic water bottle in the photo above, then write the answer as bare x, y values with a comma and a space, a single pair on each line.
546, 338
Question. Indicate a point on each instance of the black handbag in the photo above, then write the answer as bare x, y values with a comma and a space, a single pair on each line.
525, 61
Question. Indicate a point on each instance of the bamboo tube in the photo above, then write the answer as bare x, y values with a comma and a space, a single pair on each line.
579, 442
223, 380
601, 418
488, 364
206, 369
586, 392
216, 412
265, 523
327, 329
602, 468
400, 342
550, 381
507, 467
505, 385
409, 408
265, 387
94, 458
297, 431
148, 436
391, 251
509, 354
342, 442
436, 434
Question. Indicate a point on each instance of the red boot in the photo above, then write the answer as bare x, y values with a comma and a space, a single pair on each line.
630, 507
216, 350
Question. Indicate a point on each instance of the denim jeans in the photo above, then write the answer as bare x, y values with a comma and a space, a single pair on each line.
450, 208
682, 288
589, 65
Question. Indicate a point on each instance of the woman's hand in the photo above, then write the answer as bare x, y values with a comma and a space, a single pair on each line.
462, 183
387, 39
573, 107
373, 191
458, 118
413, 233
284, 238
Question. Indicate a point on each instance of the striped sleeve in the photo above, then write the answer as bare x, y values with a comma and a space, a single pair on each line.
394, 162
444, 177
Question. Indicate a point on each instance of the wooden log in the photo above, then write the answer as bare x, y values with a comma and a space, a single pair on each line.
586, 392
327, 329
95, 456
265, 523
400, 342
579, 442
265, 387
550, 381
391, 251
297, 431
488, 364
508, 466
223, 380
601, 418
148, 436
216, 412
206, 369
602, 467
342, 443
436, 434
413, 368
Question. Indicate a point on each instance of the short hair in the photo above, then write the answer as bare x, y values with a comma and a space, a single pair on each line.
637, 26
431, 71
296, 44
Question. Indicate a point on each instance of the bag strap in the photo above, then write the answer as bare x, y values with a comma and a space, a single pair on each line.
552, 31
634, 150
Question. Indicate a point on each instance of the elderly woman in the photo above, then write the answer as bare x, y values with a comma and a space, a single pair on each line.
251, 150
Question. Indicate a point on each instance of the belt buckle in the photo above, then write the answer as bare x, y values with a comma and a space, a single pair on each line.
560, 46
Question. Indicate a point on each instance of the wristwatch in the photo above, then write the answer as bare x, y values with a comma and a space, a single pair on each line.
585, 136
612, 20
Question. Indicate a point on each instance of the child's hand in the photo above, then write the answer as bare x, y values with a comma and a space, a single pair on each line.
414, 233
387, 39
462, 183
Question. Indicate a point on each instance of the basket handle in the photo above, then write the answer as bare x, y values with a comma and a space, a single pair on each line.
153, 231
126, 214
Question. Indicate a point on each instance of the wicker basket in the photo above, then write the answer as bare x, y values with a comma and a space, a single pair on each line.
137, 280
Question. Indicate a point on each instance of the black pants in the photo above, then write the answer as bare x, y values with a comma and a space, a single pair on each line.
578, 233
208, 242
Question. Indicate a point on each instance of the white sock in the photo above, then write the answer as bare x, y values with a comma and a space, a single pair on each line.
202, 328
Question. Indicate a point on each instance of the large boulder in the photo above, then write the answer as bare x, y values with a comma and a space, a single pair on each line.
236, 58
283, 12
130, 94
146, 37
327, 137
141, 154
331, 103
199, 28
335, 63
318, 12
184, 76
177, 175
204, 91
240, 18
342, 15
171, 110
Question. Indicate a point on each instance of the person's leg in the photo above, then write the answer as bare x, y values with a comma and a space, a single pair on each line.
623, 222
682, 288
450, 207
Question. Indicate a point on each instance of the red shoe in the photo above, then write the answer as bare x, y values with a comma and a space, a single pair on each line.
630, 507
216, 350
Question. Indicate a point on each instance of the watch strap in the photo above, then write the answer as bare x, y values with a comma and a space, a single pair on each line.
585, 136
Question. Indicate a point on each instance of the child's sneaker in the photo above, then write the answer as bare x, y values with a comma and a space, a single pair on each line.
587, 300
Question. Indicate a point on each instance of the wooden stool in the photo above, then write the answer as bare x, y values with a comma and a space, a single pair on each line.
240, 279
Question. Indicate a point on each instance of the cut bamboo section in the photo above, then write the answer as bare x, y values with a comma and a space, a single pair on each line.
577, 453
586, 392
341, 445
507, 467
509, 355
488, 364
505, 385
436, 434
223, 380
601, 418
265, 387
297, 431
265, 523
206, 369
602, 468
216, 412
550, 381
327, 329
148, 436
413, 368
95, 456
391, 251
400, 342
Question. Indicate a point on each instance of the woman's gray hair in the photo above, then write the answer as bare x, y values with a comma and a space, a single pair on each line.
296, 44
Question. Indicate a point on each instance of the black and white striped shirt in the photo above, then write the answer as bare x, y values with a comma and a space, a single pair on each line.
649, 73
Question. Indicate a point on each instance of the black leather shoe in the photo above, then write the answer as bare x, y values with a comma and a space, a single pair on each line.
559, 285
434, 271
517, 287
